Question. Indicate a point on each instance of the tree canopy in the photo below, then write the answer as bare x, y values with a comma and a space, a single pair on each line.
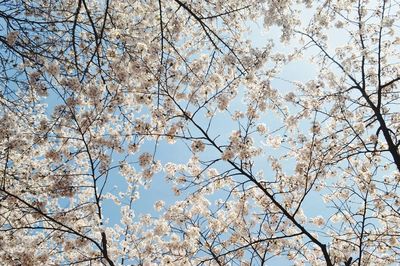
265, 168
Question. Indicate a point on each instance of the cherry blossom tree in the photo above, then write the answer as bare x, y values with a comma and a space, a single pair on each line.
276, 169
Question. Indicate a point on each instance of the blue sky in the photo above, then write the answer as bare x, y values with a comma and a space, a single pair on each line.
179, 153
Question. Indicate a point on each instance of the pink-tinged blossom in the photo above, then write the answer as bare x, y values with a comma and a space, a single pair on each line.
145, 159
12, 38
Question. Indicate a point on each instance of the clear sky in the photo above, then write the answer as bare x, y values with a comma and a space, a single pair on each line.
179, 153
